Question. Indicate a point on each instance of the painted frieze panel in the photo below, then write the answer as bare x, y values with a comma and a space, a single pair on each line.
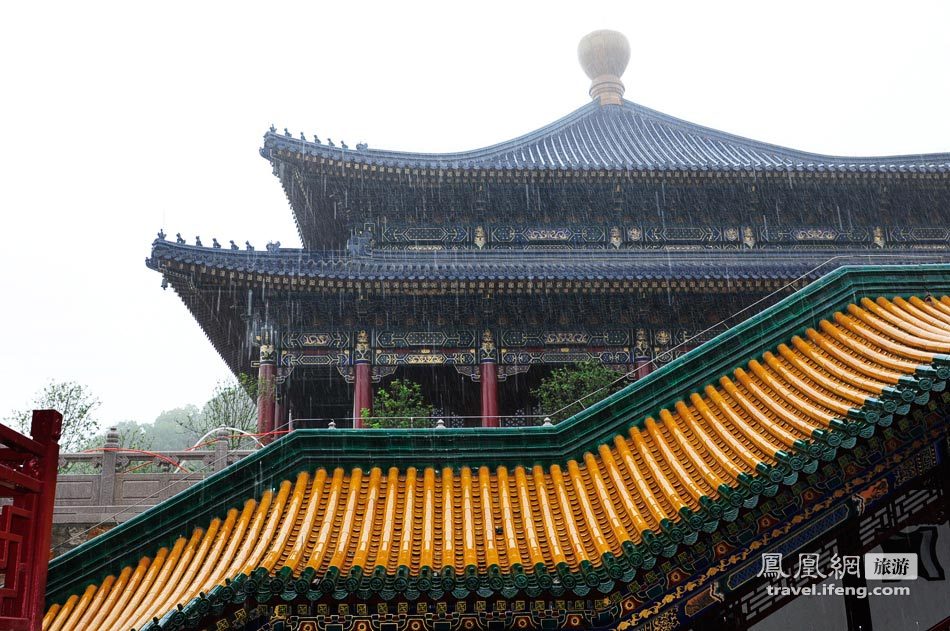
316, 339
409, 339
623, 235
412, 234
935, 235
460, 347
519, 338
425, 357
294, 358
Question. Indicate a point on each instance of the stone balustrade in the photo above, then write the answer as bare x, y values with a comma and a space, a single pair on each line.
97, 490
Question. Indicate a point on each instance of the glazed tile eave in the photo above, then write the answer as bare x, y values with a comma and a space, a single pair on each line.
584, 503
626, 137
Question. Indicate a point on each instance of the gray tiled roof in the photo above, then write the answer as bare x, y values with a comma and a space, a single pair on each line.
625, 137
531, 265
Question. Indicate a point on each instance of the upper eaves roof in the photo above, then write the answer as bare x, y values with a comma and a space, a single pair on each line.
618, 137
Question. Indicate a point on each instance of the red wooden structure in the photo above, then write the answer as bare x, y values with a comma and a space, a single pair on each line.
27, 491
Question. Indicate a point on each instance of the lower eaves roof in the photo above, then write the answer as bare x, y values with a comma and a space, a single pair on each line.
367, 523
511, 265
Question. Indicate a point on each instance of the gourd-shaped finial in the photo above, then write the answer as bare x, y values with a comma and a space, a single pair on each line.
604, 56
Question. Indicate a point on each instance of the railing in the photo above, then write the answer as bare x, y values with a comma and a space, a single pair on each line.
27, 486
111, 485
108, 486
114, 484
436, 421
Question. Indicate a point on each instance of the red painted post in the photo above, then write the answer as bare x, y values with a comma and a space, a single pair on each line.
28, 477
489, 379
362, 379
266, 387
643, 366
46, 430
362, 392
488, 375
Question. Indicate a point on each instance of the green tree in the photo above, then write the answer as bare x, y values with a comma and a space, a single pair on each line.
132, 435
232, 404
565, 391
400, 404
77, 405
165, 432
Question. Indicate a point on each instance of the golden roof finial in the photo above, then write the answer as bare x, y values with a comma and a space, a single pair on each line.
604, 56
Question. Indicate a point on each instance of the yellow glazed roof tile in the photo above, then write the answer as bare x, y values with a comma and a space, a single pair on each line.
615, 508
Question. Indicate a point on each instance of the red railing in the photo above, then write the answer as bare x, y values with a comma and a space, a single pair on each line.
27, 491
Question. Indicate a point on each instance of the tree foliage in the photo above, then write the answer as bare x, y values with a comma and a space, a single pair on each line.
400, 404
165, 433
132, 435
232, 404
71, 399
564, 392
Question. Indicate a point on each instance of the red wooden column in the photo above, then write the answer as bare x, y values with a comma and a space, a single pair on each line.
362, 380
362, 393
642, 366
488, 369
266, 389
28, 478
489, 379
45, 429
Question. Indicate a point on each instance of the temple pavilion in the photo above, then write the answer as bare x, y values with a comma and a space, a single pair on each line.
616, 234
814, 421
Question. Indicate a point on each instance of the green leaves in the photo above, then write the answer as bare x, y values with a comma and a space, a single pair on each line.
567, 391
232, 404
400, 404
71, 399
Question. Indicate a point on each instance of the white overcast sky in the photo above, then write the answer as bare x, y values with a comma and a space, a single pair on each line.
119, 119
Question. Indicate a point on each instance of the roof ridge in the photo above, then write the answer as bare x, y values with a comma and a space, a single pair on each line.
584, 132
700, 128
468, 153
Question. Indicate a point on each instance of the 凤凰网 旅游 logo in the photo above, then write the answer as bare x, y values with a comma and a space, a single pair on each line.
890, 566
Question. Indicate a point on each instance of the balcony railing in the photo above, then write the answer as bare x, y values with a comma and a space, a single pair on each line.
114, 484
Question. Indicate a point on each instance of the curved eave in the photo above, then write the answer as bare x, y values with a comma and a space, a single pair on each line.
584, 522
594, 269
625, 138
